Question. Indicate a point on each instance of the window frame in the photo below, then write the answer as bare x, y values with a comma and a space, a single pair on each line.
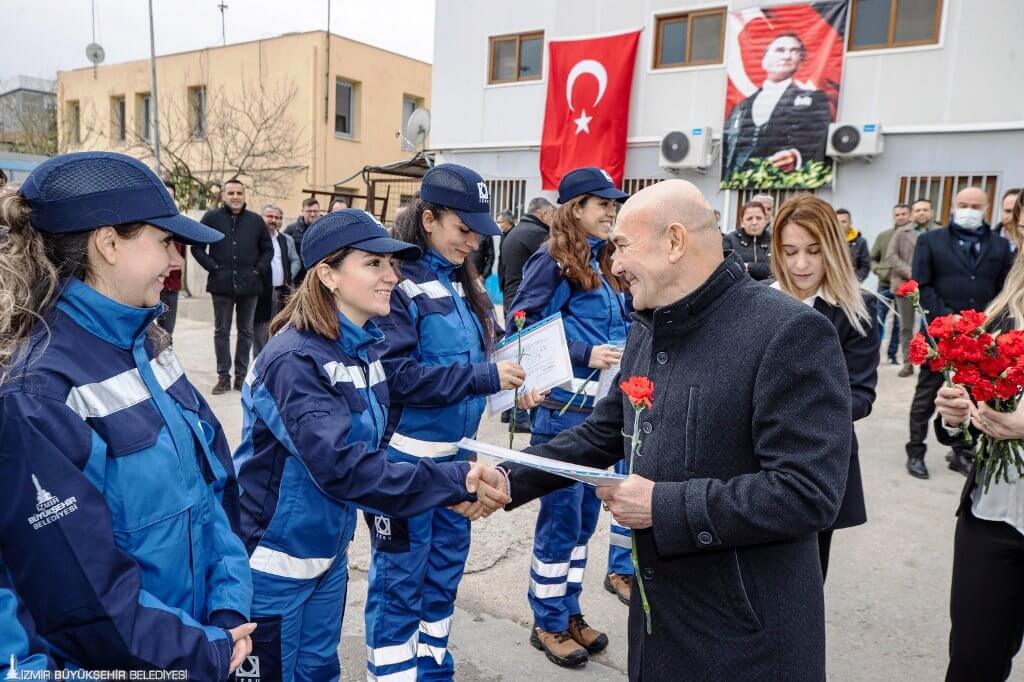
947, 184
417, 103
662, 19
143, 116
352, 90
74, 122
518, 37
198, 118
891, 43
118, 119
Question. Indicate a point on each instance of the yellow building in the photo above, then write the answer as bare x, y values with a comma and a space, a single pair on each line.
299, 111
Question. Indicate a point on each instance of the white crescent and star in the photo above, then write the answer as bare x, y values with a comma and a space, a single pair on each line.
595, 69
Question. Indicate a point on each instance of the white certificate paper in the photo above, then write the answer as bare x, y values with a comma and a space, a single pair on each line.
545, 359
577, 472
604, 382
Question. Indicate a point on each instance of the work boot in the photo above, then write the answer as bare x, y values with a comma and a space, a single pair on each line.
619, 585
916, 467
559, 647
238, 383
223, 385
590, 639
907, 371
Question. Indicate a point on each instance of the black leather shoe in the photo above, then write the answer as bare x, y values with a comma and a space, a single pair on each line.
960, 463
916, 467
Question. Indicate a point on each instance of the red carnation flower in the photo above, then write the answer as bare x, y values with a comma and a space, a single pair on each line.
919, 350
639, 390
967, 376
983, 391
941, 327
970, 321
1006, 389
907, 288
1011, 344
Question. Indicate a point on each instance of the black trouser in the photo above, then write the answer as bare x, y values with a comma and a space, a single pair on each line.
244, 308
921, 410
824, 547
170, 316
986, 600
261, 330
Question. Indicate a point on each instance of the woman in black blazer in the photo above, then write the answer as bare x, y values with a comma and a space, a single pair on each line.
811, 262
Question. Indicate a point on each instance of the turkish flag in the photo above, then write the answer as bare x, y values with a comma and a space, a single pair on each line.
587, 111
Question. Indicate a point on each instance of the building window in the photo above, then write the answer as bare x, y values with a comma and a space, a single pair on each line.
344, 108
118, 131
516, 58
507, 195
881, 24
74, 122
409, 104
689, 39
634, 185
144, 116
941, 190
197, 111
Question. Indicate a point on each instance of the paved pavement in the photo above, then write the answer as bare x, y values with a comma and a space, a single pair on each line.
886, 598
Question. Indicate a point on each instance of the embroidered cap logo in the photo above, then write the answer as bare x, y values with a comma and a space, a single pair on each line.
485, 195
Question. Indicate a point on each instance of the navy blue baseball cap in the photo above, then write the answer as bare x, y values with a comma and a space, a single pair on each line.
465, 192
85, 190
355, 228
588, 180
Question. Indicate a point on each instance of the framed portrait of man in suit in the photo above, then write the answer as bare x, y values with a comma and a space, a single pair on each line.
784, 67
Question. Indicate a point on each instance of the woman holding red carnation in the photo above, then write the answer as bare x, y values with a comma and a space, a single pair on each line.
571, 275
986, 596
810, 262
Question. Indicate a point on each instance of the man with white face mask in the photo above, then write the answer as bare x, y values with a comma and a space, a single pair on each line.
957, 268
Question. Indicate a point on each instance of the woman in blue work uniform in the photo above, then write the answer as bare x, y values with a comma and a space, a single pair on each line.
119, 500
571, 274
437, 340
315, 408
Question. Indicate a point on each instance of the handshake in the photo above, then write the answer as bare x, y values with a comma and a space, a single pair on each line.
491, 488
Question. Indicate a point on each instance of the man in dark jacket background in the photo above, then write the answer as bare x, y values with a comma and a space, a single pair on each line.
742, 464
234, 264
957, 268
860, 254
881, 267
310, 212
521, 242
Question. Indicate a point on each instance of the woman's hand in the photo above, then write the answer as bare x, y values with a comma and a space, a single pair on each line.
531, 399
241, 638
999, 425
954, 405
511, 375
604, 356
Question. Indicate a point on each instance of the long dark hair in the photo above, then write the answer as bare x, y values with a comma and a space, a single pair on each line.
32, 265
409, 228
568, 247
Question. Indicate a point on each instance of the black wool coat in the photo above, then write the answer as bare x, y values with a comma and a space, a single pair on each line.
860, 353
235, 262
950, 280
749, 461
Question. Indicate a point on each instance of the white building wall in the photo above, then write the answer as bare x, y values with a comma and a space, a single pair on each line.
955, 107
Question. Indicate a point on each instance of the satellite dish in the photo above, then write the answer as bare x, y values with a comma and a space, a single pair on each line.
94, 53
417, 128
845, 139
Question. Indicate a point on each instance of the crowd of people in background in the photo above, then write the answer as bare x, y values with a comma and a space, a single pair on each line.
363, 357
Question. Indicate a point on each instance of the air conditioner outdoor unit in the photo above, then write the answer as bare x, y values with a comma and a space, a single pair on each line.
848, 140
686, 148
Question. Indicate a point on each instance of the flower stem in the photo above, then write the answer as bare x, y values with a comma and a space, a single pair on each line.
633, 450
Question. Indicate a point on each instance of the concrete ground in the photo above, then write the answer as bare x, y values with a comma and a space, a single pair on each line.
887, 593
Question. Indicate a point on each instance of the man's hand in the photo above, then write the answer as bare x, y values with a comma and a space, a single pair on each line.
785, 160
630, 502
471, 510
241, 644
490, 487
604, 356
955, 405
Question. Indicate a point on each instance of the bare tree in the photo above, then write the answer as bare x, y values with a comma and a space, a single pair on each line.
28, 127
248, 134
